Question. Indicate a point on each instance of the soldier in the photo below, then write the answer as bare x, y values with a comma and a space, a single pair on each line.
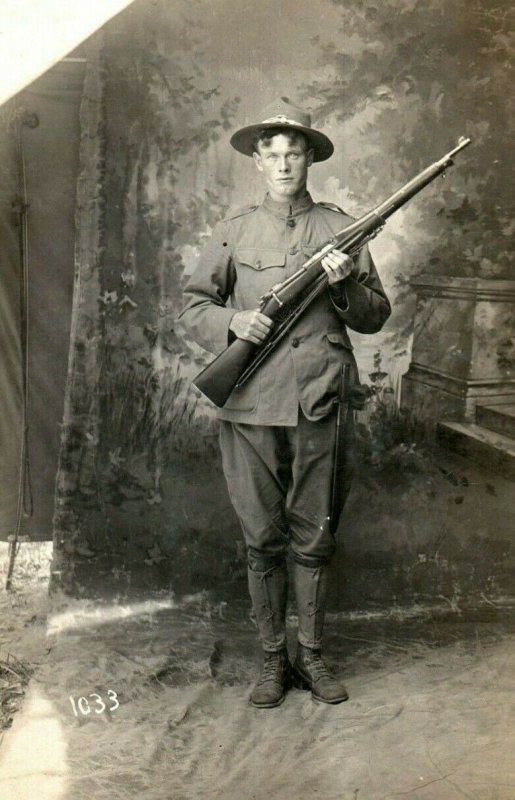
277, 430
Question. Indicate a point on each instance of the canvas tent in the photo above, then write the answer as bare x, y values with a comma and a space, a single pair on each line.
39, 139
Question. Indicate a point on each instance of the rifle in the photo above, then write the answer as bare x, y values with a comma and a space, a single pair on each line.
286, 301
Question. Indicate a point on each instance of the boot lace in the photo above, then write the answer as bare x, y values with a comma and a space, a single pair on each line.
271, 667
318, 668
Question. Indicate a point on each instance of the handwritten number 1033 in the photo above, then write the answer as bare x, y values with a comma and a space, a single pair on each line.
83, 706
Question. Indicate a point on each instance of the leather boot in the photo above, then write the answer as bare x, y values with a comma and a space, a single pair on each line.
269, 593
273, 682
309, 670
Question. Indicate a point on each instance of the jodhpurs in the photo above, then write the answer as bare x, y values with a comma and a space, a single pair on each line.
279, 482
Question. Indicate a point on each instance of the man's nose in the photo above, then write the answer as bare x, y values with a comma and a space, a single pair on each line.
284, 165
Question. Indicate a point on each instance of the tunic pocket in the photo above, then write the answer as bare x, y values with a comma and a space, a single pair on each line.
260, 259
257, 271
245, 398
339, 338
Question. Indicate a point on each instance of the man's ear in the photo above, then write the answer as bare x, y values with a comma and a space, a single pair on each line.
257, 161
310, 156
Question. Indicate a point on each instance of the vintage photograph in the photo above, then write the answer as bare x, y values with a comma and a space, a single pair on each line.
257, 429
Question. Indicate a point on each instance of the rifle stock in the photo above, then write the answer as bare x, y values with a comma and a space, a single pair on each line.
218, 379
235, 364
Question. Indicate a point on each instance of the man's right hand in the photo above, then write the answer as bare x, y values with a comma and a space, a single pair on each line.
251, 325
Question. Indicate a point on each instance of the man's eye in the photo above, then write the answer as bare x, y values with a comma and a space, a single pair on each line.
293, 156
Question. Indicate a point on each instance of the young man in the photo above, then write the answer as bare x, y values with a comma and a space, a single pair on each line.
277, 430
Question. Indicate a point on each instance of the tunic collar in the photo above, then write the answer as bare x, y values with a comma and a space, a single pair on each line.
291, 209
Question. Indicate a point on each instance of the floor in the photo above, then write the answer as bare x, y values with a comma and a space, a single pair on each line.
164, 713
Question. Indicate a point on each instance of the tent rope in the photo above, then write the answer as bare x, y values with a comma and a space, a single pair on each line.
25, 504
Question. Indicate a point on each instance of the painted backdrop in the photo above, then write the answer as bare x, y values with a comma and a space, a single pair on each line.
394, 85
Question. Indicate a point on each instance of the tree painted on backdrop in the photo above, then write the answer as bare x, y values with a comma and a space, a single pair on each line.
407, 78
162, 116
132, 487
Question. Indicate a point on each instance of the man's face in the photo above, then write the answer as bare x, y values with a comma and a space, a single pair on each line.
285, 167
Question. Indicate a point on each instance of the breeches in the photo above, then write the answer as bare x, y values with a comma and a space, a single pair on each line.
279, 482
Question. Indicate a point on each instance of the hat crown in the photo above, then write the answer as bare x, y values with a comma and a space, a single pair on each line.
286, 113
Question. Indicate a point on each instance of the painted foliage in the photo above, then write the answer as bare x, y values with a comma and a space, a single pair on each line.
394, 84
407, 79
137, 437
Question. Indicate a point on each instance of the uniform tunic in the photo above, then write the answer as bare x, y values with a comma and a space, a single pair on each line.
279, 478
251, 251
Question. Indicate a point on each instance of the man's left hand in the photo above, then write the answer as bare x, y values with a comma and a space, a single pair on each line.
337, 265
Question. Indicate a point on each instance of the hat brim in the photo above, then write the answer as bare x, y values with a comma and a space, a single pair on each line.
322, 146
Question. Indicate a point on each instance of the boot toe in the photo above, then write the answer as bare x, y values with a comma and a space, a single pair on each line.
330, 692
267, 695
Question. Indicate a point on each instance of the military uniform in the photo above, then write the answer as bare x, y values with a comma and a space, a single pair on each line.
249, 252
277, 430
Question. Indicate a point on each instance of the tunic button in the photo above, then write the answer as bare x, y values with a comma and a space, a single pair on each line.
293, 251
295, 342
258, 264
291, 223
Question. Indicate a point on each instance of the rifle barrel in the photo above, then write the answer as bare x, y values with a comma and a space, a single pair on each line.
462, 143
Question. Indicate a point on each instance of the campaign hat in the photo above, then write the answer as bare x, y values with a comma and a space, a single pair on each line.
284, 114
